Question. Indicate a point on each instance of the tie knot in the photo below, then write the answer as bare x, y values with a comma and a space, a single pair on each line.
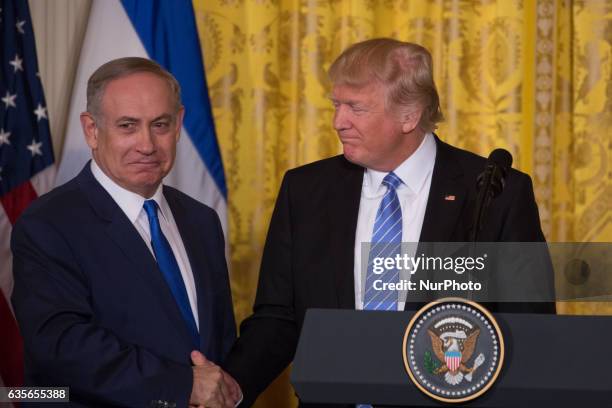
392, 181
150, 207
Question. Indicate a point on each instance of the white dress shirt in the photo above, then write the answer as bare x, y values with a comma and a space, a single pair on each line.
132, 205
415, 173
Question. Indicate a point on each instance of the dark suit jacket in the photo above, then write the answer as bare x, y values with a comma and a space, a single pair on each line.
95, 311
309, 253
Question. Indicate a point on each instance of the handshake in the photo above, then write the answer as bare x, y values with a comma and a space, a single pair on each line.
212, 387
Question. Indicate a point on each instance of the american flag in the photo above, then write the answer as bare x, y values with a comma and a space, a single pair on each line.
26, 159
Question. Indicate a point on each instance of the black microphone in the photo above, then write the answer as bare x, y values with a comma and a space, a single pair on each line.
490, 183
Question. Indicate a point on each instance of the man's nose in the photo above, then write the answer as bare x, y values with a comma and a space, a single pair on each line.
341, 121
146, 143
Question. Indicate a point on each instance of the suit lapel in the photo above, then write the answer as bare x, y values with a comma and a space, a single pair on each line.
127, 238
346, 195
446, 199
200, 264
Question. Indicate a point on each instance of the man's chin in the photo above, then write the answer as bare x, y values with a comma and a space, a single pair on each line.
353, 157
151, 171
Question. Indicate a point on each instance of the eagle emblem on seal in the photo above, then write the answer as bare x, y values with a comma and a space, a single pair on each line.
453, 341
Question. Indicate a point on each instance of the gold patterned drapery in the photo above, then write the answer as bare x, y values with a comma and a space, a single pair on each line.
533, 77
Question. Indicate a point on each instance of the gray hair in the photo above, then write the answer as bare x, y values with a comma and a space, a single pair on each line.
122, 67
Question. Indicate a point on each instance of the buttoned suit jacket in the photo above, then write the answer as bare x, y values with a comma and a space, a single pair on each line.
308, 259
94, 310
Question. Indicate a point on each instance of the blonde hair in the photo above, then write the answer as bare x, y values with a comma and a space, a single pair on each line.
405, 70
122, 67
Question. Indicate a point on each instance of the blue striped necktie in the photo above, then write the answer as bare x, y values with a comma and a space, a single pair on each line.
170, 270
386, 243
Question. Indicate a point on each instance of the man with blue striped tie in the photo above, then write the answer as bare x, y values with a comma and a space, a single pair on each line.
395, 182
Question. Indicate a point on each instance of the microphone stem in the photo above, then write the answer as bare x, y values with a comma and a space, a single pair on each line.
482, 202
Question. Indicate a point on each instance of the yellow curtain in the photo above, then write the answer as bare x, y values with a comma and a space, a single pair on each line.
533, 77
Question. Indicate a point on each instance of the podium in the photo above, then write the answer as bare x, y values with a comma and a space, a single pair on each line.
350, 357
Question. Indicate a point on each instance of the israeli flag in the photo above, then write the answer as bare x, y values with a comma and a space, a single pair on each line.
164, 31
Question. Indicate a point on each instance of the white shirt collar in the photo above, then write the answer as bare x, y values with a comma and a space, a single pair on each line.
129, 202
413, 171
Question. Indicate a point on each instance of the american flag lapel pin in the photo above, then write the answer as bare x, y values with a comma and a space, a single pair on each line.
449, 197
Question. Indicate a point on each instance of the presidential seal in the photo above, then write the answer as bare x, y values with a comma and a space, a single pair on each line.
453, 350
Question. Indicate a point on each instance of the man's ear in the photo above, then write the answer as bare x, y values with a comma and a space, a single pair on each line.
410, 120
179, 122
90, 129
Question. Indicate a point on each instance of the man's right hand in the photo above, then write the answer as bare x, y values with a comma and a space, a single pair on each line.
211, 387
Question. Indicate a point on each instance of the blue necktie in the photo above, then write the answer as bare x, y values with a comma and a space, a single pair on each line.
169, 267
386, 243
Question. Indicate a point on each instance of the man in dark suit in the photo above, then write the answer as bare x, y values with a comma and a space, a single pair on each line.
386, 108
121, 286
